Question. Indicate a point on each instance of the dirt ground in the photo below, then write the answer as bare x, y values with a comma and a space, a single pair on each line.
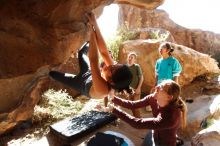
27, 134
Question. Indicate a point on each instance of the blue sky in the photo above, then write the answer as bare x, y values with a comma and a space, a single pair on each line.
199, 14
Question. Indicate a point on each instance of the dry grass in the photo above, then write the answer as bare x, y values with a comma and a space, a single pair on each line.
54, 106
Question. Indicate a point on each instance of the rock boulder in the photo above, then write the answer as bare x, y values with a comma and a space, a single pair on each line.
203, 41
193, 62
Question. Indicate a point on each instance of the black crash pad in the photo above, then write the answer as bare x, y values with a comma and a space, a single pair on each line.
72, 128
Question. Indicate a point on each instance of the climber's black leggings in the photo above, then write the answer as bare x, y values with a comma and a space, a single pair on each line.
81, 82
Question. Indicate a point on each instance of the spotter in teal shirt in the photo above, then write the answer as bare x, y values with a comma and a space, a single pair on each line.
167, 68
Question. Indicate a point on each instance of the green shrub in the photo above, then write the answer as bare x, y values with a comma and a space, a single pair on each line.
122, 34
157, 35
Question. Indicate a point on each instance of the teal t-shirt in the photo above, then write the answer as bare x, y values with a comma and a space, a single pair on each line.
167, 68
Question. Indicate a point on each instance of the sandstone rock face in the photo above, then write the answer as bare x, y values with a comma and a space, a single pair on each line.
34, 37
24, 108
211, 135
34, 34
197, 112
154, 33
21, 107
207, 138
202, 41
194, 63
37, 33
147, 4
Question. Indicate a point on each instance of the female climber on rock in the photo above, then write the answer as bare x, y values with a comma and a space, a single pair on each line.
167, 108
89, 81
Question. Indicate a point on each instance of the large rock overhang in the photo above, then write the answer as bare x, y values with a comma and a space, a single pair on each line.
35, 35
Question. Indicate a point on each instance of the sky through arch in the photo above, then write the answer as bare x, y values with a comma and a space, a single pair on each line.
198, 14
